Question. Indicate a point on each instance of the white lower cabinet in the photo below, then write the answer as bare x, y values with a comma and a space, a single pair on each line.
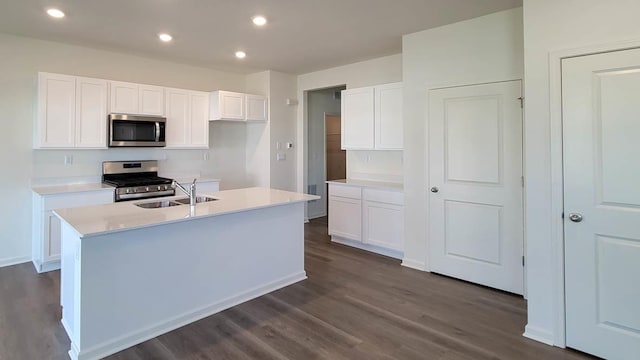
46, 246
370, 219
345, 217
383, 219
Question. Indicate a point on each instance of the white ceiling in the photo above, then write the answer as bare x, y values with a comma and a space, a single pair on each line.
301, 36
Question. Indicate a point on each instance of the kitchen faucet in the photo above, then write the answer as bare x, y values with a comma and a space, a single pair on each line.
191, 192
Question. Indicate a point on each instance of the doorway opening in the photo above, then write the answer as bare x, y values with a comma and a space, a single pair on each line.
325, 158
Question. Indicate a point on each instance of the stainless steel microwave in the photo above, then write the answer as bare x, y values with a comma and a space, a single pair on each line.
136, 131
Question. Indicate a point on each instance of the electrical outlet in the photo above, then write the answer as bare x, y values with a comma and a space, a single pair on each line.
205, 155
68, 159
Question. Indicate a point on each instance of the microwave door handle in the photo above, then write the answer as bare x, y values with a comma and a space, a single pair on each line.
157, 131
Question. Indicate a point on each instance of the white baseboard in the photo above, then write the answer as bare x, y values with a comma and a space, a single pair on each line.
537, 334
111, 347
14, 261
46, 266
372, 248
414, 264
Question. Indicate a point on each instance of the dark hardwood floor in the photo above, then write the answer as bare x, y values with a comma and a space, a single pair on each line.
355, 305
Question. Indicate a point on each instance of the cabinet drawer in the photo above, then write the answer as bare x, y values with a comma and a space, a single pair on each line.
384, 196
352, 192
60, 201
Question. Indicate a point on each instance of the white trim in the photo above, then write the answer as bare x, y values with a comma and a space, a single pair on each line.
557, 179
125, 341
538, 334
46, 266
414, 264
368, 247
14, 261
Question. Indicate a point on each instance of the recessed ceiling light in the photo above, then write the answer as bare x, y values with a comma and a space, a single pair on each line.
259, 20
165, 37
241, 54
56, 13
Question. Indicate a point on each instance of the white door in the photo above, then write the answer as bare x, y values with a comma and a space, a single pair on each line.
601, 119
357, 118
475, 155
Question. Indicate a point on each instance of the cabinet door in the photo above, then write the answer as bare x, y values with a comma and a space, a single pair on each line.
388, 117
199, 119
232, 105
384, 225
345, 218
124, 98
178, 127
91, 113
52, 236
257, 108
358, 119
56, 111
151, 100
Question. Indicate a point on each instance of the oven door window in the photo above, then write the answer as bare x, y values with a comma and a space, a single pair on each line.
128, 130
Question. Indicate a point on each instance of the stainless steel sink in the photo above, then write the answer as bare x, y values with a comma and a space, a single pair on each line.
159, 204
175, 202
199, 199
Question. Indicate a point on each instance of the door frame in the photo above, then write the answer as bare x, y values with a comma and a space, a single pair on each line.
557, 176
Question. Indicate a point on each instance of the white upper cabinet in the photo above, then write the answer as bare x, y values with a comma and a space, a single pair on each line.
187, 119
91, 113
56, 111
357, 118
151, 100
130, 98
372, 118
388, 116
256, 108
199, 115
72, 112
233, 106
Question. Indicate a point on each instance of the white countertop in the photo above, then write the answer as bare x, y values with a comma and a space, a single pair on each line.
71, 188
368, 183
108, 218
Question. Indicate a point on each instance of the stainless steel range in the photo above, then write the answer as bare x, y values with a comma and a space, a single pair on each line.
135, 180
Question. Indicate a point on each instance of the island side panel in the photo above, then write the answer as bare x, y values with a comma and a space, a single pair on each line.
69, 289
138, 284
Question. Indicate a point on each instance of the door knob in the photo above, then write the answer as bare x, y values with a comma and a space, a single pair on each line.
575, 217
434, 189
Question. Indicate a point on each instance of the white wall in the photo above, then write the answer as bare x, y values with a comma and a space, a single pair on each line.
282, 119
21, 59
549, 26
258, 135
382, 70
485, 49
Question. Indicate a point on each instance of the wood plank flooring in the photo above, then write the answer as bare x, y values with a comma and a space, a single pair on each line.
355, 305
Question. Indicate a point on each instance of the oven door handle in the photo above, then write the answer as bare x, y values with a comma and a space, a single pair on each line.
157, 131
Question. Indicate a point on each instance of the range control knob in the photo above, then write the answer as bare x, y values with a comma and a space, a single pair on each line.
147, 188
159, 188
127, 191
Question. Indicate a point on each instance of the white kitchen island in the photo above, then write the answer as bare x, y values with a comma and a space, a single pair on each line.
130, 274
